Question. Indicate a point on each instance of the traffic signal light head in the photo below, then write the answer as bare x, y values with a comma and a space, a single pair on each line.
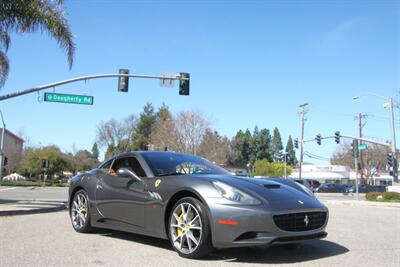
184, 83
123, 81
390, 159
318, 138
337, 137
354, 148
296, 143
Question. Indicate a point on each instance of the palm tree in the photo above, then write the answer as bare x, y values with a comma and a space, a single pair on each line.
23, 16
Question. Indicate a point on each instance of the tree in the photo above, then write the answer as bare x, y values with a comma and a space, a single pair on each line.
83, 161
290, 152
23, 16
143, 129
276, 146
375, 159
164, 134
30, 164
241, 149
264, 151
190, 128
95, 151
115, 135
214, 147
271, 169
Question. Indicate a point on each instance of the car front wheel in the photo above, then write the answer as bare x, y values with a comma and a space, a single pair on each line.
189, 229
79, 212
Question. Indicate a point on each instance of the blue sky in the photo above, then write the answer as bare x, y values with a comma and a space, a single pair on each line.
251, 63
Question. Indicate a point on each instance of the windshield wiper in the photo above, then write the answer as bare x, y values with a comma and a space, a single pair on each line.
170, 174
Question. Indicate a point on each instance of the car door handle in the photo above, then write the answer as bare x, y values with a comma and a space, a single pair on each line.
99, 187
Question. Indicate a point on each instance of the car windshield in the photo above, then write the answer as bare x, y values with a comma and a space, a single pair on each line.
166, 164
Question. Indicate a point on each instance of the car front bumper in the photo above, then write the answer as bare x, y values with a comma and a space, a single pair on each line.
243, 226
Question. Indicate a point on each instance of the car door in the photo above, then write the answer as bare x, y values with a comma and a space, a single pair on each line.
123, 199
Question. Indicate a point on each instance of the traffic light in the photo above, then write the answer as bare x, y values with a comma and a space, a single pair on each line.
337, 137
296, 143
123, 81
318, 138
184, 83
5, 161
390, 159
354, 148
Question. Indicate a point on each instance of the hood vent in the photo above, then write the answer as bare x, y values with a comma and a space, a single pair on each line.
272, 186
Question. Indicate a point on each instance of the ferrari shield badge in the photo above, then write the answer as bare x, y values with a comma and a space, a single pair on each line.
157, 183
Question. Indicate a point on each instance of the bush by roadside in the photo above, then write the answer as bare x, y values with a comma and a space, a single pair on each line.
383, 197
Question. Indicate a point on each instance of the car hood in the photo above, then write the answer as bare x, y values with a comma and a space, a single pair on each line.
271, 190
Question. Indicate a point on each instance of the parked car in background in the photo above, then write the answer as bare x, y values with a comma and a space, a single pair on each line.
332, 188
365, 188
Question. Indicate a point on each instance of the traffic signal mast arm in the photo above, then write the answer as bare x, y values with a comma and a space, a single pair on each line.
84, 78
352, 137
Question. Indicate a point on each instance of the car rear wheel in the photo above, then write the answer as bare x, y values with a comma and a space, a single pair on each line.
189, 229
79, 212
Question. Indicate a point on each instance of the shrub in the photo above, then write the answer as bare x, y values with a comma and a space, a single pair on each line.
372, 196
391, 196
386, 196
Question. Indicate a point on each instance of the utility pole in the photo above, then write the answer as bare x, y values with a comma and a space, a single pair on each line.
360, 127
303, 111
393, 143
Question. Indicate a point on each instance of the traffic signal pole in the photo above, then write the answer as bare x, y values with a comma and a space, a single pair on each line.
84, 78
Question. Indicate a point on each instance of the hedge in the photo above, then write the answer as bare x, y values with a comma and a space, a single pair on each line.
383, 197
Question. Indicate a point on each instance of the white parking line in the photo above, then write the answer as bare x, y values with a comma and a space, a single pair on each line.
8, 188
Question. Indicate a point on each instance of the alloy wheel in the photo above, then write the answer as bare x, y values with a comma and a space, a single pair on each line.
186, 228
79, 210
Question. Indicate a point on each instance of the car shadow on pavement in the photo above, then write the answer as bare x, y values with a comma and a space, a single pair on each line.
142, 239
278, 254
288, 253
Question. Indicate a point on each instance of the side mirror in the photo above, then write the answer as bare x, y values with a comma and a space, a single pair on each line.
125, 172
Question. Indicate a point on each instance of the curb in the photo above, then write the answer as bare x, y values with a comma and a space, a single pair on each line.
60, 207
363, 203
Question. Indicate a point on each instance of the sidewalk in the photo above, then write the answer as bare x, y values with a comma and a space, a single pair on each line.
362, 203
22, 207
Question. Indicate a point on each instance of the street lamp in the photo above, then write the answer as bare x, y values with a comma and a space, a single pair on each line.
388, 104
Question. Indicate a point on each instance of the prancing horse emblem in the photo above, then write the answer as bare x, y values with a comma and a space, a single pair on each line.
306, 220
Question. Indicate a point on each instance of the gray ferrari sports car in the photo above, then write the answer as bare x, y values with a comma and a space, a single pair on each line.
195, 204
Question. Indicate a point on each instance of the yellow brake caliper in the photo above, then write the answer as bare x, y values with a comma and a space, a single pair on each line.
180, 218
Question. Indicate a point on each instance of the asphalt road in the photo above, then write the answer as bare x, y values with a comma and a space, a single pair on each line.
358, 236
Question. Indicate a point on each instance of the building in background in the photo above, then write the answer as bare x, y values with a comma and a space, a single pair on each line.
13, 146
337, 174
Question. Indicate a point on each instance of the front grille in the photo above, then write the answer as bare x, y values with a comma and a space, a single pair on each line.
298, 222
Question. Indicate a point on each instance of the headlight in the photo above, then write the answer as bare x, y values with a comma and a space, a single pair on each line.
305, 189
234, 194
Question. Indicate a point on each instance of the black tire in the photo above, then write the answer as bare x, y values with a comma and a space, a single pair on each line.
86, 226
204, 247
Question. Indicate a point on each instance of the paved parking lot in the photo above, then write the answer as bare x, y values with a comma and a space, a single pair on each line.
358, 236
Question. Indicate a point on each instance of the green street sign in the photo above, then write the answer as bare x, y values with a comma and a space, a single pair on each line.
66, 98
362, 147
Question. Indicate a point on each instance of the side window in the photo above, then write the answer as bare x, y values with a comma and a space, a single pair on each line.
106, 167
131, 163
